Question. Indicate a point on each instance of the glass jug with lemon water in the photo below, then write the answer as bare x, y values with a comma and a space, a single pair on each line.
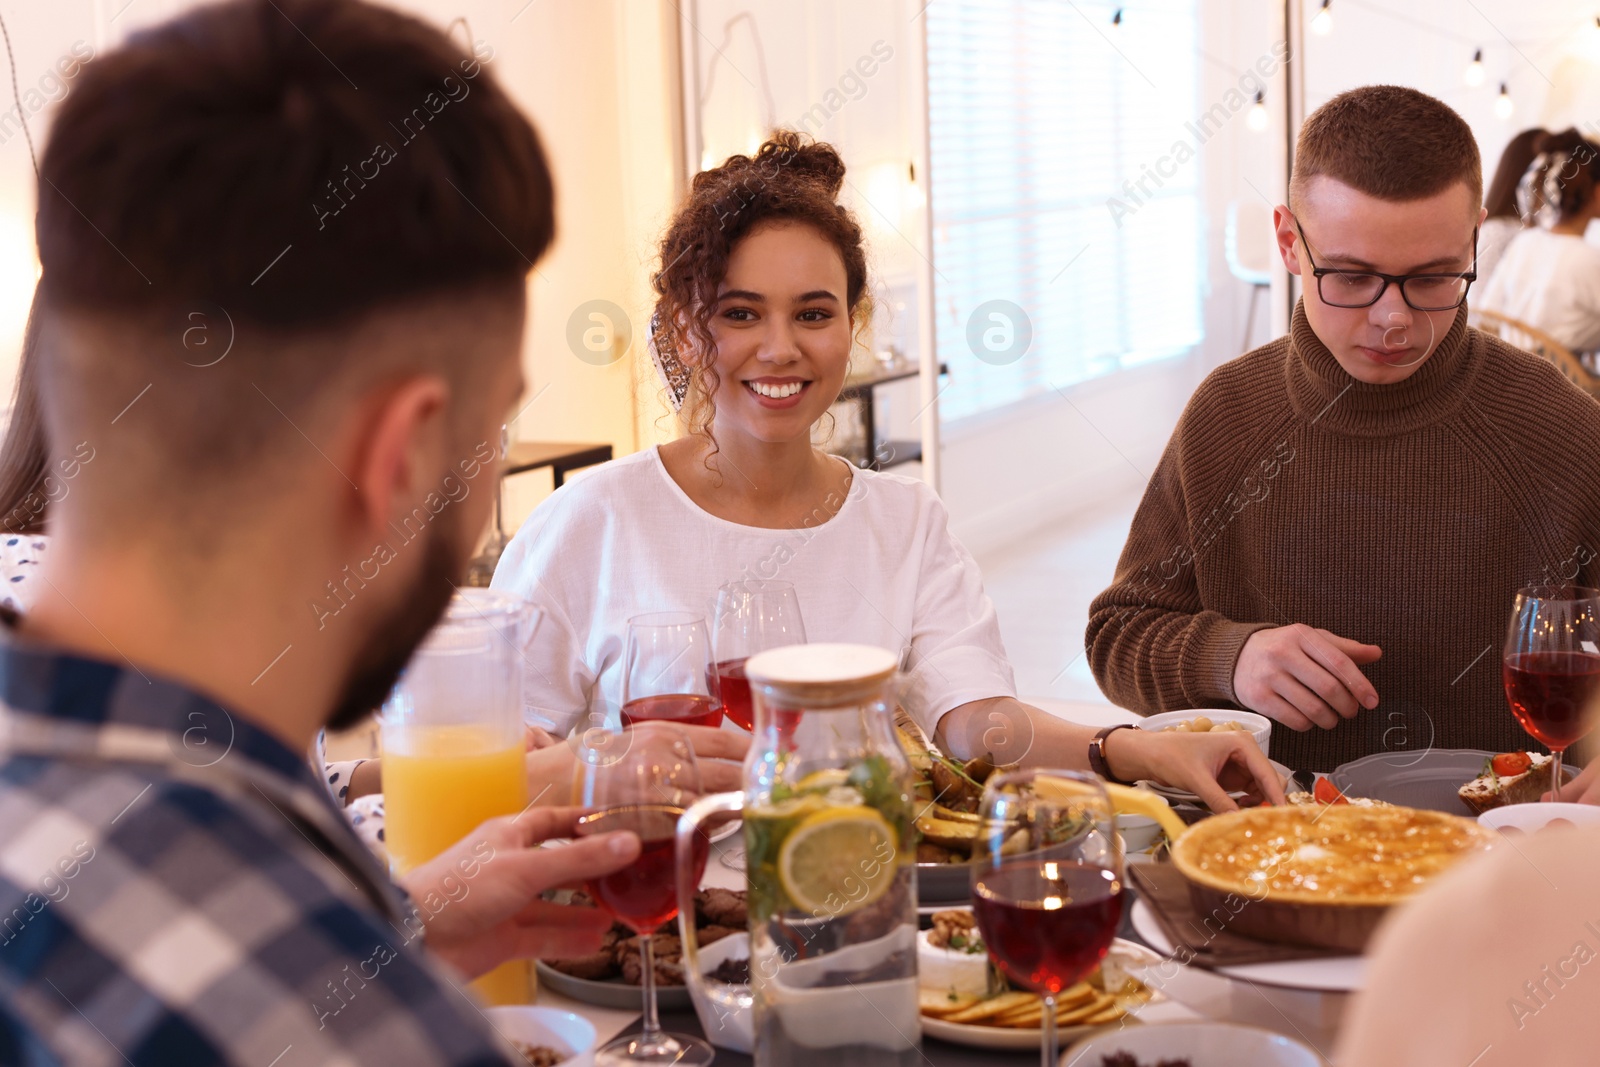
831, 861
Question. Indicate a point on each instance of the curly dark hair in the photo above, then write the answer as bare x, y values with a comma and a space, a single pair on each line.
786, 180
1565, 173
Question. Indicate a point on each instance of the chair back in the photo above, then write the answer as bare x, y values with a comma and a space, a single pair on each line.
1519, 334
1248, 241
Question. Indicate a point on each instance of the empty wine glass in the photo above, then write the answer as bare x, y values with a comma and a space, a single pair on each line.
751, 616
1552, 665
1047, 882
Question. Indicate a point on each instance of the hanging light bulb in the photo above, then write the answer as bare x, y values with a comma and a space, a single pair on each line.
1322, 25
1474, 75
1503, 107
1257, 119
1116, 19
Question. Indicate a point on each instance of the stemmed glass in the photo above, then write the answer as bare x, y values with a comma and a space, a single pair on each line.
750, 617
1047, 882
1552, 665
666, 671
643, 780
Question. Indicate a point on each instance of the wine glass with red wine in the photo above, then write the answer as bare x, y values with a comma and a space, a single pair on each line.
666, 671
1046, 882
751, 616
642, 780
1552, 665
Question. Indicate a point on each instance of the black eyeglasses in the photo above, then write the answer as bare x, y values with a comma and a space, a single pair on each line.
1363, 288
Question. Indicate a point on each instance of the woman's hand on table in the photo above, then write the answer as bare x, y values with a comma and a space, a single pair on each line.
1208, 765
1304, 677
479, 899
553, 767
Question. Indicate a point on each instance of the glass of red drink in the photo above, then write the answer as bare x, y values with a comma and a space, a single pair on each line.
1552, 665
666, 674
751, 616
1047, 882
643, 780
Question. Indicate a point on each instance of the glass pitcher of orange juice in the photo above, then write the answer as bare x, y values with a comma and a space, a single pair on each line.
453, 746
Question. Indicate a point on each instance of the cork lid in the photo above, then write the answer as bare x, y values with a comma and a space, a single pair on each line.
822, 675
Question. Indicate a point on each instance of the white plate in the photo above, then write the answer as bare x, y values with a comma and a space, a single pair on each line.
1129, 953
1332, 974
1204, 1044
1179, 796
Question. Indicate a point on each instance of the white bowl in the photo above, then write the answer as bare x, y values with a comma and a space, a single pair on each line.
727, 1012
1531, 818
1257, 726
1204, 1044
560, 1030
1139, 832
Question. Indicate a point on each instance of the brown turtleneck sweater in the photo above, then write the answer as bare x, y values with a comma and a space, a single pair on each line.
1404, 515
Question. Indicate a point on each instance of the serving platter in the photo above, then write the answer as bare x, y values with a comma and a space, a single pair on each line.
1331, 974
1427, 779
612, 992
944, 884
1129, 954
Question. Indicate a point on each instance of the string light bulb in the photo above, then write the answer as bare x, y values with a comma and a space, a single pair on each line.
1322, 25
1116, 19
1474, 75
1257, 119
1503, 107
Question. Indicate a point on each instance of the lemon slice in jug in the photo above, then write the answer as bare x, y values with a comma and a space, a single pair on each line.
838, 860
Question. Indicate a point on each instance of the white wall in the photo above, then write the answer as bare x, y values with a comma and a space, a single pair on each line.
598, 78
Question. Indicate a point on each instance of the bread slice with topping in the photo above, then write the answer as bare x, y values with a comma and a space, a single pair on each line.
1509, 778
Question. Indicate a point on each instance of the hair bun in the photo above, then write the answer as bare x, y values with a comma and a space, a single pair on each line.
1567, 140
785, 150
815, 160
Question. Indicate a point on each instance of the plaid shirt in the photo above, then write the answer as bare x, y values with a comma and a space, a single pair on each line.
177, 888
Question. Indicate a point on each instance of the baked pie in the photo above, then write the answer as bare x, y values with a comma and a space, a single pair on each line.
1321, 875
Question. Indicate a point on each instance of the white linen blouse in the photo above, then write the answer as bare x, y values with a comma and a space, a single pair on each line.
626, 540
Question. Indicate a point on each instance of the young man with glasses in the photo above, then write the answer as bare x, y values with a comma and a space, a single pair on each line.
1342, 518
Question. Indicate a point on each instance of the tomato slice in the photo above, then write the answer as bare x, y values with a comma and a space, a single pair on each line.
1510, 764
1326, 792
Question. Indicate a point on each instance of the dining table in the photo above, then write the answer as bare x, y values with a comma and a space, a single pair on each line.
1307, 1016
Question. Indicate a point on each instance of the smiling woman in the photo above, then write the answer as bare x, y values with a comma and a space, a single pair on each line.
779, 206
762, 290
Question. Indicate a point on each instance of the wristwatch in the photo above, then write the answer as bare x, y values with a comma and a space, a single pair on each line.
1097, 753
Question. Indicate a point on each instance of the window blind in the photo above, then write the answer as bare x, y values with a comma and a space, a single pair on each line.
1040, 111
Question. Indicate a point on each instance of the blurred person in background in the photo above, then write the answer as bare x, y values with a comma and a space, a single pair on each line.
1505, 215
1549, 275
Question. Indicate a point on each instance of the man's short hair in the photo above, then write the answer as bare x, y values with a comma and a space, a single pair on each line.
1389, 142
377, 158
274, 176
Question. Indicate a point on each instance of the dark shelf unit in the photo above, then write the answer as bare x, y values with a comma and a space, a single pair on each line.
859, 391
